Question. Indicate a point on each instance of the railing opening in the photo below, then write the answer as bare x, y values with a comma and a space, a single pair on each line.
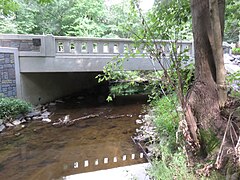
116, 49
84, 47
105, 48
95, 47
60, 47
72, 47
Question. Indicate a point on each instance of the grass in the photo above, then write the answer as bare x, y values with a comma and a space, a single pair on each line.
166, 117
171, 166
172, 163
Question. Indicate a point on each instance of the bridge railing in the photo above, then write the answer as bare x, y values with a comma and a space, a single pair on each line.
78, 46
49, 45
111, 46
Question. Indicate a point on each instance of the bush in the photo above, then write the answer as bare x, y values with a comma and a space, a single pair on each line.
166, 118
236, 50
11, 107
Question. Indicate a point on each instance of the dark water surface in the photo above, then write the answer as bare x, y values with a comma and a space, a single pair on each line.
41, 151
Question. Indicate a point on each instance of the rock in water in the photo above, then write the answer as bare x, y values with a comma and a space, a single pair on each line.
16, 122
59, 101
46, 114
9, 125
33, 114
138, 121
2, 127
46, 120
66, 119
52, 104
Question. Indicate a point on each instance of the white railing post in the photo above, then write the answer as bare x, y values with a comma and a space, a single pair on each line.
121, 48
89, 47
50, 47
110, 47
100, 47
66, 46
77, 47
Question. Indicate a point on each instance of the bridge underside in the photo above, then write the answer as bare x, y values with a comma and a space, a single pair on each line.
39, 88
44, 79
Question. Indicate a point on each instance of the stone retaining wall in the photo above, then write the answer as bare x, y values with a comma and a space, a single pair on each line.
7, 75
22, 45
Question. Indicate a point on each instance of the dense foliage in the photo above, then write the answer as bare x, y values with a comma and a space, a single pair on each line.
64, 17
96, 18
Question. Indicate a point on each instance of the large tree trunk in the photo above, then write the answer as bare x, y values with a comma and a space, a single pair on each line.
208, 92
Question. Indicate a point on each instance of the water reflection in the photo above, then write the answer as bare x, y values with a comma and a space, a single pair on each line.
43, 151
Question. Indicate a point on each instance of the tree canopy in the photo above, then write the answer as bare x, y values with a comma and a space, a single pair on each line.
65, 18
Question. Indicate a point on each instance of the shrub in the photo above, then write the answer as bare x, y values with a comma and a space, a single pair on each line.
11, 107
236, 50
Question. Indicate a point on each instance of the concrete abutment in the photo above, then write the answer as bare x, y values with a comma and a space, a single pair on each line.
40, 88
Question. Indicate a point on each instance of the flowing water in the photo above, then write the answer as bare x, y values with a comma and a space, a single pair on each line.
42, 151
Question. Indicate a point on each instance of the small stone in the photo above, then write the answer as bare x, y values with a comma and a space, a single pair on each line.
137, 130
16, 122
33, 114
147, 117
37, 118
66, 119
2, 127
9, 125
46, 120
23, 120
59, 101
17, 134
138, 121
46, 114
52, 104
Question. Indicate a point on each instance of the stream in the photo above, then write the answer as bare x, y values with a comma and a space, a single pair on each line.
41, 151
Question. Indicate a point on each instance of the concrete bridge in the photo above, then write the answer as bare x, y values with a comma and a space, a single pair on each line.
40, 68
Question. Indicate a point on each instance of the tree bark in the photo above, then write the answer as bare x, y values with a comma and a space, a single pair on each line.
204, 99
215, 36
